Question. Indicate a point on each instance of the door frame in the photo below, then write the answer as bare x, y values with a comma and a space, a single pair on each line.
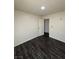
46, 33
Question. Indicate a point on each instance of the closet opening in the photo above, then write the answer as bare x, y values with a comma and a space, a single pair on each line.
46, 27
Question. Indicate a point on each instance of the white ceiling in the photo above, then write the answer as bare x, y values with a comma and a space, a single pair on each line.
34, 6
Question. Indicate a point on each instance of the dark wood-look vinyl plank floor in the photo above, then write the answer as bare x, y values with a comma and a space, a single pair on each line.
40, 48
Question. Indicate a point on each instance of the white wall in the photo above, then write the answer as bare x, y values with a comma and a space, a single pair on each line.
41, 26
26, 27
57, 25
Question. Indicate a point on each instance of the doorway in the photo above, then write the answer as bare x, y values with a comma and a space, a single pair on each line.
46, 27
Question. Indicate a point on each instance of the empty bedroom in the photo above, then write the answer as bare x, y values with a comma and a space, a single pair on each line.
39, 29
